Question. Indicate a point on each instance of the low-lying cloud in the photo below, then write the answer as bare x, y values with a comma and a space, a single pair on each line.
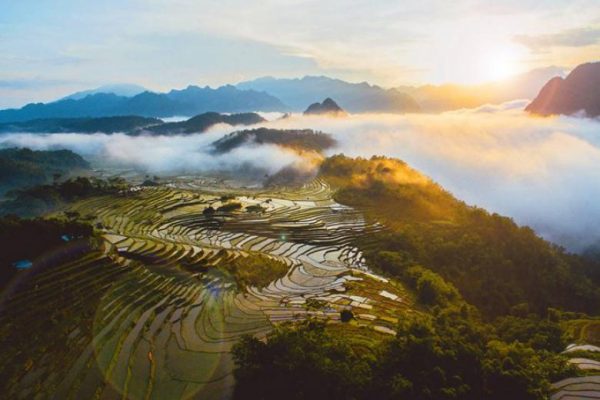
164, 155
543, 172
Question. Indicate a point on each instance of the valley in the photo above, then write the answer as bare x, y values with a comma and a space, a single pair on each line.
301, 200
149, 312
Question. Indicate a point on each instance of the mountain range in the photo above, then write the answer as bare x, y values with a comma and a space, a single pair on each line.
283, 95
353, 97
578, 92
120, 89
189, 101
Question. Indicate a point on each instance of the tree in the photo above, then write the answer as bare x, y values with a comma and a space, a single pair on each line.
303, 362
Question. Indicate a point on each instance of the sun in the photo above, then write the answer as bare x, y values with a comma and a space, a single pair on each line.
499, 63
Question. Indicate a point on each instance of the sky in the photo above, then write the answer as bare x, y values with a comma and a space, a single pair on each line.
50, 48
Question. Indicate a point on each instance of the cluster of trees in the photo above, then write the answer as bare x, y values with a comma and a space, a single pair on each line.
495, 264
229, 207
299, 139
45, 198
254, 270
446, 354
233, 206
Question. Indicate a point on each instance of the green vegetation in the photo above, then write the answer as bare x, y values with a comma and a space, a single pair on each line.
494, 263
229, 207
46, 198
431, 289
447, 355
130, 124
153, 312
582, 329
441, 249
298, 139
202, 122
255, 208
24, 167
385, 299
447, 352
314, 304
531, 330
255, 270
81, 125
305, 363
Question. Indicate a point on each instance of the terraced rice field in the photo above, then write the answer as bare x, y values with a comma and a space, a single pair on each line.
583, 387
142, 317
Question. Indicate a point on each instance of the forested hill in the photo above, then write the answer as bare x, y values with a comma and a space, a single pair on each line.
81, 125
497, 265
131, 124
298, 139
202, 122
444, 254
25, 167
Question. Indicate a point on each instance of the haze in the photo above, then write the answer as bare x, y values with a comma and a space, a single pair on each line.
540, 171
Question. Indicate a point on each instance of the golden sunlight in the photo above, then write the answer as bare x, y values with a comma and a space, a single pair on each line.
499, 63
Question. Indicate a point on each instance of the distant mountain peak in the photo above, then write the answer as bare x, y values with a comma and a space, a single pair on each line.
327, 107
576, 93
119, 89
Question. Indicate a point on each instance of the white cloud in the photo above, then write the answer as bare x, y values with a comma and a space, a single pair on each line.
543, 172
161, 154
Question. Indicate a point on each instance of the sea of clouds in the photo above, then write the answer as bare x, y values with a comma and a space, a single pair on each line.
543, 172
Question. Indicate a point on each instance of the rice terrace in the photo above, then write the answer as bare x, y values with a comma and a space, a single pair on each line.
168, 309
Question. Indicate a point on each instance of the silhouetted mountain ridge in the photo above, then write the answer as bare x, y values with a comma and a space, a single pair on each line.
130, 124
190, 101
121, 89
578, 92
353, 97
